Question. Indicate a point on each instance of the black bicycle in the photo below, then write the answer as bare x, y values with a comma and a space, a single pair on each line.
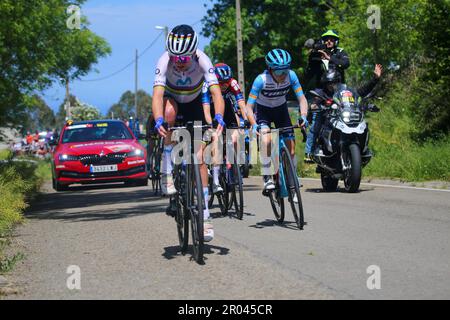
286, 184
188, 200
230, 178
155, 149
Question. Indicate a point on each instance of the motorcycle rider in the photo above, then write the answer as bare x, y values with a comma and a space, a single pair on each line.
330, 82
325, 55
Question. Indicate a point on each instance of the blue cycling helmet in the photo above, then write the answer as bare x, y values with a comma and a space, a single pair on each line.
278, 59
223, 72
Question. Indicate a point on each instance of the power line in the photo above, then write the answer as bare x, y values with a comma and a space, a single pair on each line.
125, 67
131, 62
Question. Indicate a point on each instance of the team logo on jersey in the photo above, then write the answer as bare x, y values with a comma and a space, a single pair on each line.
211, 70
157, 71
276, 93
186, 82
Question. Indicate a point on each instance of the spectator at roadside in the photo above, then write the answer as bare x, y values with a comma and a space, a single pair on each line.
36, 136
48, 136
29, 138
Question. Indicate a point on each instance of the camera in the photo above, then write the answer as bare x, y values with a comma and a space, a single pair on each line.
315, 45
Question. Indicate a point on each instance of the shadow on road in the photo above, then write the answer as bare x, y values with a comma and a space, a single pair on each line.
80, 203
273, 223
95, 215
175, 251
79, 198
339, 190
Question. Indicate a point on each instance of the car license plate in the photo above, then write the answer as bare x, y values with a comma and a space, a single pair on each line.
109, 168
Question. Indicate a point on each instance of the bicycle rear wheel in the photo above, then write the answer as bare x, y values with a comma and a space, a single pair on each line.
293, 187
220, 196
195, 207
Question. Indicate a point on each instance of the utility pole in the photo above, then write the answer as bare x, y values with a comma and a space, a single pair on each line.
68, 113
136, 85
240, 55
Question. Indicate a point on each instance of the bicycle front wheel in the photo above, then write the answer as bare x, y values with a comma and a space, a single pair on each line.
293, 187
238, 192
195, 207
276, 201
182, 215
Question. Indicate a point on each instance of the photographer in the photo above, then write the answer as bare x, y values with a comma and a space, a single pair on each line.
325, 54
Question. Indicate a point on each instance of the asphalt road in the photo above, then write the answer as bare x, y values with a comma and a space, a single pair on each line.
127, 248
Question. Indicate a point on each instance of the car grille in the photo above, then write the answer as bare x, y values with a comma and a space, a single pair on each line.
90, 175
112, 158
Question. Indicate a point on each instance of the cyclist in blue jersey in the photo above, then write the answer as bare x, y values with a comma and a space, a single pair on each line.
269, 92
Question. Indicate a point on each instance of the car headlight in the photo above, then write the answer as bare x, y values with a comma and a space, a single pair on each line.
136, 153
67, 157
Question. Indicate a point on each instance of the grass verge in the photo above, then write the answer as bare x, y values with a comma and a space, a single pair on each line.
19, 183
397, 155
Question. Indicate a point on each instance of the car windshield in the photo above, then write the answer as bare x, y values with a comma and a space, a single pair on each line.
96, 132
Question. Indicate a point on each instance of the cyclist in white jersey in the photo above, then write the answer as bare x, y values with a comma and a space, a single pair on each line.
269, 92
177, 89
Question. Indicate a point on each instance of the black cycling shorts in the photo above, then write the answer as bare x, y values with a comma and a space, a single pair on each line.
278, 115
190, 111
229, 116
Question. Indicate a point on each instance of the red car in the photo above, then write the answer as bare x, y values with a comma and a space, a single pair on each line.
98, 151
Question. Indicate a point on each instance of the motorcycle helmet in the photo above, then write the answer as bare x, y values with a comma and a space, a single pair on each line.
331, 33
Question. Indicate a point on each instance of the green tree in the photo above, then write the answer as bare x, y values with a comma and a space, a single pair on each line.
397, 42
40, 115
82, 111
431, 107
414, 35
125, 107
37, 48
266, 24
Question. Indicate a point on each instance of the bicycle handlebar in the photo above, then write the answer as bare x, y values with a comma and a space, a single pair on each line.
303, 130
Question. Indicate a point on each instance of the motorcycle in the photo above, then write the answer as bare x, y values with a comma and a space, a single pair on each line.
342, 144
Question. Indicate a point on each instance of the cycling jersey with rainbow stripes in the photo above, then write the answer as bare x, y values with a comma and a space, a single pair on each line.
185, 86
268, 93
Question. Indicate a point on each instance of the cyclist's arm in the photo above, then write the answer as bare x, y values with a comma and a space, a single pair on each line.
236, 89
297, 87
219, 104
254, 93
157, 102
207, 113
206, 103
159, 86
241, 104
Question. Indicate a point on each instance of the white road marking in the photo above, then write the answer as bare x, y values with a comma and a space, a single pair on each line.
388, 186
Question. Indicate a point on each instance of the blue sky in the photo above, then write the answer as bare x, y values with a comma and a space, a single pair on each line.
127, 26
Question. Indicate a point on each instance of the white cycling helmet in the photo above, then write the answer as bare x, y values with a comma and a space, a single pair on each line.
182, 41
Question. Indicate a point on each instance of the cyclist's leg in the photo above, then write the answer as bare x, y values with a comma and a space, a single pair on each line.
264, 120
217, 159
170, 115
